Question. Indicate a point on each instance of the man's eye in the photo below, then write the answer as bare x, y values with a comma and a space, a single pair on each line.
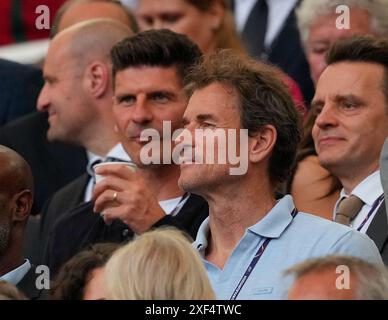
171, 18
160, 98
319, 50
148, 21
207, 125
348, 105
126, 100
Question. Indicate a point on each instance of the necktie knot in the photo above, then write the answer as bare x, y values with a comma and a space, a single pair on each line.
347, 209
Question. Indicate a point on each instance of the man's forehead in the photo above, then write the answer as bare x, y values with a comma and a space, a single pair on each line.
152, 77
351, 75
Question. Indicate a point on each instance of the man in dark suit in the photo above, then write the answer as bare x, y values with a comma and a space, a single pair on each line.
19, 88
269, 31
16, 193
133, 202
350, 130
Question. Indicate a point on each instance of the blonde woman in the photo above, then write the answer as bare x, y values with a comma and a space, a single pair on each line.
158, 265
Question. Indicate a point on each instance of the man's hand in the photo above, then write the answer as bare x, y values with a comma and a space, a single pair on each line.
124, 195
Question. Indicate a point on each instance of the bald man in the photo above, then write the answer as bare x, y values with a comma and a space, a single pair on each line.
16, 194
56, 164
77, 95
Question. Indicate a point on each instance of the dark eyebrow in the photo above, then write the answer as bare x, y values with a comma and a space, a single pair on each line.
351, 97
204, 117
120, 97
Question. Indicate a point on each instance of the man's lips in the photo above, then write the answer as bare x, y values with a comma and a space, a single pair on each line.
329, 140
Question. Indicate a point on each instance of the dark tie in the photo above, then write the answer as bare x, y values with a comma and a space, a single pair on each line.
255, 29
90, 169
348, 209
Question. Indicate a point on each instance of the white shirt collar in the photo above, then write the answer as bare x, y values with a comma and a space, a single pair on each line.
117, 152
16, 275
368, 190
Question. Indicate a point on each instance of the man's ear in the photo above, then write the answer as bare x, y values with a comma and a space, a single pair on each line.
97, 78
262, 143
22, 205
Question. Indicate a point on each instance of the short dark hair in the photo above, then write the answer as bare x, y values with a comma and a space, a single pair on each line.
263, 99
70, 282
156, 48
365, 48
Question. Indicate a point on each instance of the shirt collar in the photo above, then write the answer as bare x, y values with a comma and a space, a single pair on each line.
368, 190
201, 242
16, 275
271, 226
116, 152
276, 220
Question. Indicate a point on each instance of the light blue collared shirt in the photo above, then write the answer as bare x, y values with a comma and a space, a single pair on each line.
16, 275
293, 241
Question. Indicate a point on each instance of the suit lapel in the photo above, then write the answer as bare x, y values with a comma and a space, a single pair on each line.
378, 229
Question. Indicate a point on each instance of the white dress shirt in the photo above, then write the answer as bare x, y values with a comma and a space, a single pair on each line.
368, 190
117, 152
173, 206
16, 275
278, 12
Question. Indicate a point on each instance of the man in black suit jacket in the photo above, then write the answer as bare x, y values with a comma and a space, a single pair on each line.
19, 88
284, 49
149, 197
16, 193
53, 164
350, 130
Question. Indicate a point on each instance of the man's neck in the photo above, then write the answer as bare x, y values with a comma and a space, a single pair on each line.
163, 180
229, 219
102, 145
351, 180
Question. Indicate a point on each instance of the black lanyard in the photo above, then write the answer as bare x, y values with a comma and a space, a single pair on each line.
254, 261
374, 206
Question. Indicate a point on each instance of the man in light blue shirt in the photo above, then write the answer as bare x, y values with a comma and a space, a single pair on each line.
250, 237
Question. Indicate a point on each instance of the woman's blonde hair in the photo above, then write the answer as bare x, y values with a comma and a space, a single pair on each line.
159, 265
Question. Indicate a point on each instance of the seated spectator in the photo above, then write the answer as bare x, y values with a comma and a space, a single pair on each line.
16, 193
9, 292
158, 265
350, 130
338, 278
230, 92
129, 202
81, 278
314, 187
